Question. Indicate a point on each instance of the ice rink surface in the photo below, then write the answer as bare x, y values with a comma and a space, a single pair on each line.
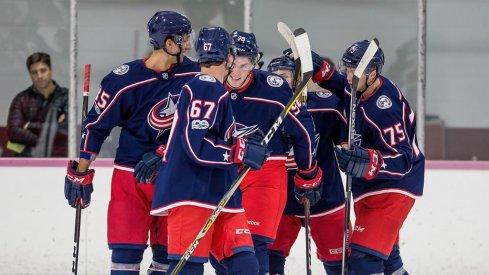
444, 234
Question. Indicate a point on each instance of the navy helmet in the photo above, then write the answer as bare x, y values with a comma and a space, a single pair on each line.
245, 44
166, 24
213, 45
281, 63
352, 56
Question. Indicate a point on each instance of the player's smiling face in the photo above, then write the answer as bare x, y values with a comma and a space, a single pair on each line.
241, 71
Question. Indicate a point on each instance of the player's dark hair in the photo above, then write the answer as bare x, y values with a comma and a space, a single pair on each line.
38, 57
164, 42
210, 64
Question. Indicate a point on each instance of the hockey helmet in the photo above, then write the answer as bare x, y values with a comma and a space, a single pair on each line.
352, 56
166, 24
245, 44
213, 45
281, 63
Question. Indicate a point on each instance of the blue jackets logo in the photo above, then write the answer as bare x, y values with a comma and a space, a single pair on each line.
241, 130
160, 117
383, 102
123, 69
275, 81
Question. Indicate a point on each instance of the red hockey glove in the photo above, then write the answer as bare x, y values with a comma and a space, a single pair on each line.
78, 186
359, 162
308, 184
308, 179
322, 70
249, 152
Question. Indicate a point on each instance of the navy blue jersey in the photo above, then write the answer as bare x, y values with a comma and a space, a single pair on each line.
139, 100
197, 168
331, 129
385, 122
259, 104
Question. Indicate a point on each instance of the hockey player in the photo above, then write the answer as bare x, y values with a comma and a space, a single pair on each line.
327, 203
258, 97
385, 162
200, 166
140, 96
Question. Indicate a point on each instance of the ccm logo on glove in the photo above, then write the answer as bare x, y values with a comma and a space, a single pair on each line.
240, 150
374, 165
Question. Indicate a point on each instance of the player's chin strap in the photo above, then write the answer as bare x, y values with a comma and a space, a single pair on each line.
366, 81
177, 55
225, 79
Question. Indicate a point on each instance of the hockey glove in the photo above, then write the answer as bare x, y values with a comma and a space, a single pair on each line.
359, 162
321, 69
308, 184
147, 168
249, 152
313, 195
78, 186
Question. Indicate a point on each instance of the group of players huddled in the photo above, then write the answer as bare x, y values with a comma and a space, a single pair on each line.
188, 128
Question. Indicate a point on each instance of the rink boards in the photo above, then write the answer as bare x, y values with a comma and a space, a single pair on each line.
444, 234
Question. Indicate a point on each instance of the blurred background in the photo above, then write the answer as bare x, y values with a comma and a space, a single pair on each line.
111, 32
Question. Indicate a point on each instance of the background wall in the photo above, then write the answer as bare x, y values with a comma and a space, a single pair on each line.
444, 234
114, 31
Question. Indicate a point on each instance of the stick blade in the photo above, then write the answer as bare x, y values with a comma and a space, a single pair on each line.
304, 49
367, 57
288, 35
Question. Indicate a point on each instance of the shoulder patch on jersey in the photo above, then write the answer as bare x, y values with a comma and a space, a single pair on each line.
200, 124
121, 69
275, 81
207, 78
324, 94
383, 102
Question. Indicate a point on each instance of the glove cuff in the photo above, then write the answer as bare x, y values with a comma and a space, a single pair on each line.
77, 177
161, 150
302, 181
308, 173
323, 74
376, 161
238, 150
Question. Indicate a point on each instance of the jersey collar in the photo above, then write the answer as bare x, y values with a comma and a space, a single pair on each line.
156, 71
378, 88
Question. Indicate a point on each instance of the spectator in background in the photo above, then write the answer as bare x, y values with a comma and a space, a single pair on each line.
37, 119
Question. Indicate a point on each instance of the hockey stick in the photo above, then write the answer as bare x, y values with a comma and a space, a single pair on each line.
307, 219
287, 34
359, 71
302, 41
76, 248
285, 31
